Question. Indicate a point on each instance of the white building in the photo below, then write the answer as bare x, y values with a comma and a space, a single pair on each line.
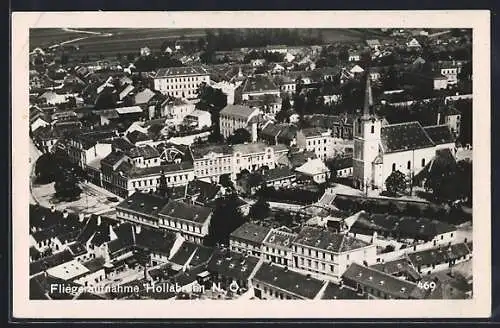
227, 88
382, 149
234, 117
318, 140
178, 109
199, 119
314, 169
181, 81
259, 86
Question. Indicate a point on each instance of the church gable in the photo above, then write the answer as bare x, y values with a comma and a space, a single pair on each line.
404, 137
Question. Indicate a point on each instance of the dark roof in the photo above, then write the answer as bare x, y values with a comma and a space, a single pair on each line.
113, 158
77, 249
205, 191
278, 173
95, 264
186, 212
438, 255
398, 266
145, 151
250, 232
126, 238
415, 227
336, 292
300, 158
50, 261
439, 134
136, 136
259, 83
327, 240
121, 144
148, 204
371, 278
290, 281
313, 132
155, 240
404, 136
340, 163
184, 253
232, 265
202, 256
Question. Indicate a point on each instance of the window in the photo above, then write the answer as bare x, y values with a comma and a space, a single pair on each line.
372, 129
423, 162
408, 165
393, 167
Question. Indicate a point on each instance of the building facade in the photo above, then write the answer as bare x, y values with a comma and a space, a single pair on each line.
181, 82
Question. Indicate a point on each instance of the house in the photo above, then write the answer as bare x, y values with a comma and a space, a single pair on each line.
328, 255
178, 109
277, 69
452, 118
450, 70
353, 56
381, 149
180, 81
38, 119
258, 85
228, 88
356, 70
190, 220
129, 112
286, 84
375, 73
85, 148
318, 140
248, 239
202, 193
401, 268
342, 166
413, 44
379, 285
279, 133
374, 44
198, 119
143, 96
289, 57
234, 117
278, 283
257, 62
315, 170
228, 268
438, 259
279, 177
277, 247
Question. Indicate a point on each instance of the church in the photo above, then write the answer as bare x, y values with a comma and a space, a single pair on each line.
381, 148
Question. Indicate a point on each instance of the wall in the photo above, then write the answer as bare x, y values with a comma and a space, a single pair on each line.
401, 160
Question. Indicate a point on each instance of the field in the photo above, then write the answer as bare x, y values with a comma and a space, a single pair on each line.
108, 42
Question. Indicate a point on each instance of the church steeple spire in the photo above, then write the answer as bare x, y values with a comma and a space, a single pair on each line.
367, 108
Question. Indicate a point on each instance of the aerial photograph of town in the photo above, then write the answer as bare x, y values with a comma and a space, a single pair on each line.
252, 164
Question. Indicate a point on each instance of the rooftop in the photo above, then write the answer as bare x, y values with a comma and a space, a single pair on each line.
325, 239
314, 132
377, 280
439, 255
439, 134
186, 212
251, 233
232, 265
145, 151
203, 150
136, 172
404, 137
290, 281
259, 84
336, 292
180, 71
143, 203
239, 111
50, 262
278, 238
278, 173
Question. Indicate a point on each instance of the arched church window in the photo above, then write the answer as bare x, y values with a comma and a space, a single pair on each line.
408, 166
393, 167
423, 162
373, 129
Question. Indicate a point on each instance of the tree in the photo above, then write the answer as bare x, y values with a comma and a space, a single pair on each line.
284, 114
225, 181
254, 180
46, 169
226, 218
67, 188
154, 130
260, 209
240, 136
396, 182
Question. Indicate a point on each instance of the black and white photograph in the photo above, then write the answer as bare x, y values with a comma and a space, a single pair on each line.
253, 163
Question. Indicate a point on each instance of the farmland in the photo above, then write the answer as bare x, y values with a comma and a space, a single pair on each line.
108, 42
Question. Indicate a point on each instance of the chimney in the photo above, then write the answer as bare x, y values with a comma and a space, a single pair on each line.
137, 229
99, 220
65, 214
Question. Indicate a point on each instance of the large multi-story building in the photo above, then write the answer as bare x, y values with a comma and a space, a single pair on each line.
234, 117
326, 254
248, 239
258, 86
181, 81
318, 140
277, 247
210, 162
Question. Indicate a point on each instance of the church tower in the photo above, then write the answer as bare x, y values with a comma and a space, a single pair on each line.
366, 132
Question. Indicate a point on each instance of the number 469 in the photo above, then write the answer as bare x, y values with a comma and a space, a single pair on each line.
427, 285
